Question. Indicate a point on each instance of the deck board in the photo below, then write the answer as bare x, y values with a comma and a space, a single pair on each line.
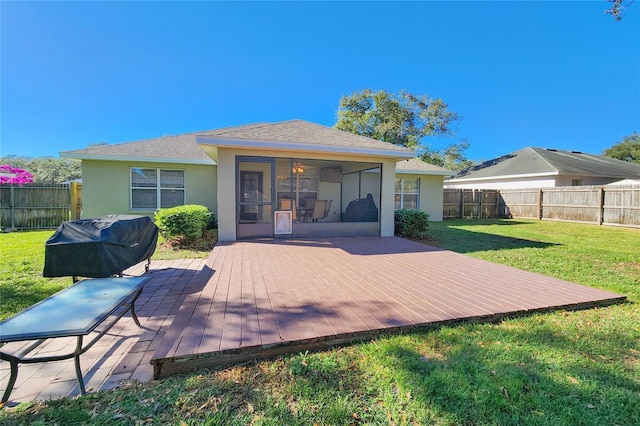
267, 297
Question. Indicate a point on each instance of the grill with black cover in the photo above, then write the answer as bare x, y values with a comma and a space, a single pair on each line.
99, 247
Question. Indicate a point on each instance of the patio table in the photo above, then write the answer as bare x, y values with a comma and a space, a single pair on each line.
75, 311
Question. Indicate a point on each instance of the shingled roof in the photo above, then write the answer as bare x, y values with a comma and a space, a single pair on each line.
184, 148
417, 166
300, 135
540, 161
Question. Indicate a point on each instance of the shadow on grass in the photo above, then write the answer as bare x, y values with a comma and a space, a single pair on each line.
515, 380
465, 241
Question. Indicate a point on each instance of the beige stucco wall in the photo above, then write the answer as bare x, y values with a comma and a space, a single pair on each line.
226, 158
431, 194
106, 186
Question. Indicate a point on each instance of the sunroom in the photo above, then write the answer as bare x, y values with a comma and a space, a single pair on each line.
320, 182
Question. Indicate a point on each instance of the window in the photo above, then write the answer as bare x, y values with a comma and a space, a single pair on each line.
152, 189
296, 180
576, 182
407, 193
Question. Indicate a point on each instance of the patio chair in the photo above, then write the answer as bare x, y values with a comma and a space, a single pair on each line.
288, 204
321, 210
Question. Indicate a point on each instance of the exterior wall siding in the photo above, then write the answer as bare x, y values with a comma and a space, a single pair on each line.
546, 182
431, 194
106, 186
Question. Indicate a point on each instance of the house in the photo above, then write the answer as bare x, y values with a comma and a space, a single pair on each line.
308, 179
417, 186
543, 168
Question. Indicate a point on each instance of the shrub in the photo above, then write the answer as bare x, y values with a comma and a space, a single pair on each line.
411, 223
188, 222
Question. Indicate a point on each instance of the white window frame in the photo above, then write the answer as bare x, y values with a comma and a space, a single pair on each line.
402, 193
158, 187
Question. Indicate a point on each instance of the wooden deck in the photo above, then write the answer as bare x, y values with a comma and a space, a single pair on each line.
256, 299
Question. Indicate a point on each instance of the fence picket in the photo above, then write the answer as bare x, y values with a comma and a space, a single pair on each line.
36, 206
593, 204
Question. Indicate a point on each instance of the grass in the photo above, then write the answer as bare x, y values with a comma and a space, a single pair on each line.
561, 368
21, 281
21, 265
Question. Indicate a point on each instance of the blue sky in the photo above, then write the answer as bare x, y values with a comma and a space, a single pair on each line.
546, 74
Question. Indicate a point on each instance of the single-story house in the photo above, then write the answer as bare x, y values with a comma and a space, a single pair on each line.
289, 179
544, 168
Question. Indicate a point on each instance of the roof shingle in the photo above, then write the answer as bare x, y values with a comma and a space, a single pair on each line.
185, 148
532, 160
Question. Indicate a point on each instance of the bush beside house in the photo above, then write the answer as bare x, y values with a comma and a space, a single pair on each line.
412, 223
188, 222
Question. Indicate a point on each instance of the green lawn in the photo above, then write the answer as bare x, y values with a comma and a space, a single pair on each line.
562, 368
22, 262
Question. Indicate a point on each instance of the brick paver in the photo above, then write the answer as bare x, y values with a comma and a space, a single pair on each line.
124, 353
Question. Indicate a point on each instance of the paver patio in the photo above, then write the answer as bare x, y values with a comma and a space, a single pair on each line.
253, 299
124, 353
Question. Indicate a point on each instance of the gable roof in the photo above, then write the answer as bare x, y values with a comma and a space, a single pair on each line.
418, 167
301, 136
297, 135
531, 161
165, 149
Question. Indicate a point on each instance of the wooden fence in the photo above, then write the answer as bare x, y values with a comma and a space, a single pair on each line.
603, 205
36, 206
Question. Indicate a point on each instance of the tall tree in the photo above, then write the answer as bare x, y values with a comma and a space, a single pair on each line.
402, 119
46, 169
626, 149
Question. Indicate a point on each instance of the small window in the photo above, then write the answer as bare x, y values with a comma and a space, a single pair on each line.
152, 189
576, 182
407, 193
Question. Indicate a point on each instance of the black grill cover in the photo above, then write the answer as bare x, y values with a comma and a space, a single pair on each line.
99, 247
362, 210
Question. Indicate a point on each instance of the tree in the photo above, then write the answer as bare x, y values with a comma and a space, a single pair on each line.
46, 170
14, 175
402, 119
618, 8
627, 149
451, 158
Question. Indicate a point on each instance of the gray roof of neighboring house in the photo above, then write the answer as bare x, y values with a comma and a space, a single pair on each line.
184, 148
541, 161
417, 166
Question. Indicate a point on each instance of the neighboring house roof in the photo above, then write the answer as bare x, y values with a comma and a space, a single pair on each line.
625, 182
418, 167
297, 135
301, 136
531, 162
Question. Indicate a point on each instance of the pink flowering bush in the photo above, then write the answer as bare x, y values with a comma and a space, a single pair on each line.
9, 174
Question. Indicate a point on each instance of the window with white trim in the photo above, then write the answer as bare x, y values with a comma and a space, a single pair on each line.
407, 193
152, 189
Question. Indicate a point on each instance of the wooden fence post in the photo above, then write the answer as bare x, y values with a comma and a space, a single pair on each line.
540, 213
601, 206
12, 204
74, 196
